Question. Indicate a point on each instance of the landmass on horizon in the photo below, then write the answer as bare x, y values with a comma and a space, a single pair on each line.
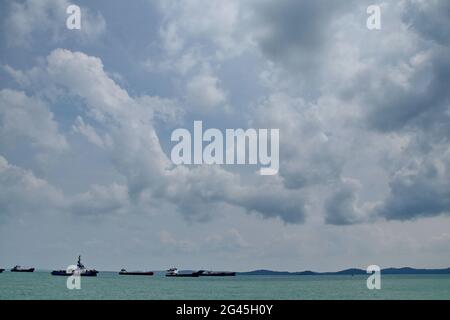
350, 271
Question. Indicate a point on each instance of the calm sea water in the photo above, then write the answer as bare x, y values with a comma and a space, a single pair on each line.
41, 285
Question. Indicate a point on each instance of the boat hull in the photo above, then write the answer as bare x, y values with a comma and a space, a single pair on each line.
136, 273
23, 270
218, 274
65, 274
184, 275
1, 270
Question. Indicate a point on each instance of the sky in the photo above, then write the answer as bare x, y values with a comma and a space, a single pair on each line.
86, 118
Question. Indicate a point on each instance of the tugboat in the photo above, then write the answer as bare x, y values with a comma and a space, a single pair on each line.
136, 273
173, 272
204, 273
22, 269
81, 270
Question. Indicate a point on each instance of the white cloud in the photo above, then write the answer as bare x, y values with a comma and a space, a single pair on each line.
90, 133
204, 93
137, 154
48, 17
216, 22
22, 193
101, 200
170, 242
28, 119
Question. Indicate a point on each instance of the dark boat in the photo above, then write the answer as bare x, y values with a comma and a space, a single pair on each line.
136, 273
86, 273
173, 272
1, 270
21, 269
204, 273
79, 270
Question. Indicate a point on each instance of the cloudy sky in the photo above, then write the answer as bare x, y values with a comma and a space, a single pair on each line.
86, 117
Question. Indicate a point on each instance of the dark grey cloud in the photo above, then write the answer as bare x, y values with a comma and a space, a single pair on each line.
272, 203
422, 103
342, 207
430, 19
407, 88
421, 191
204, 190
296, 33
418, 110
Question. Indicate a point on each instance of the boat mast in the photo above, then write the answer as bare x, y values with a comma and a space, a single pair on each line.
79, 264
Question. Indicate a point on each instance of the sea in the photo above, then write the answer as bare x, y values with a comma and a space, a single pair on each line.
109, 285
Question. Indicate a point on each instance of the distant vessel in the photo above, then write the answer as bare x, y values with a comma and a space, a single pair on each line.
136, 273
21, 269
81, 270
1, 270
204, 273
173, 272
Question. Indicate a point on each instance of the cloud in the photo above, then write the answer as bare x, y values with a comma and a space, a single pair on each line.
348, 103
202, 190
228, 240
342, 208
430, 19
168, 240
137, 155
187, 23
402, 93
421, 189
224, 242
200, 32
28, 119
350, 86
22, 193
400, 90
418, 102
297, 35
309, 154
101, 200
90, 133
272, 201
204, 93
27, 19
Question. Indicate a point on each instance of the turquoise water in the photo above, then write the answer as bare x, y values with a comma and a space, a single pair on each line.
41, 285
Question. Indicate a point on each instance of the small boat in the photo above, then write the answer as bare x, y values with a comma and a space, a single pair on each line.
136, 273
80, 270
173, 272
22, 269
1, 270
204, 273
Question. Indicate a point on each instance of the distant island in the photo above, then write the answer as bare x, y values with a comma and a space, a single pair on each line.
351, 271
